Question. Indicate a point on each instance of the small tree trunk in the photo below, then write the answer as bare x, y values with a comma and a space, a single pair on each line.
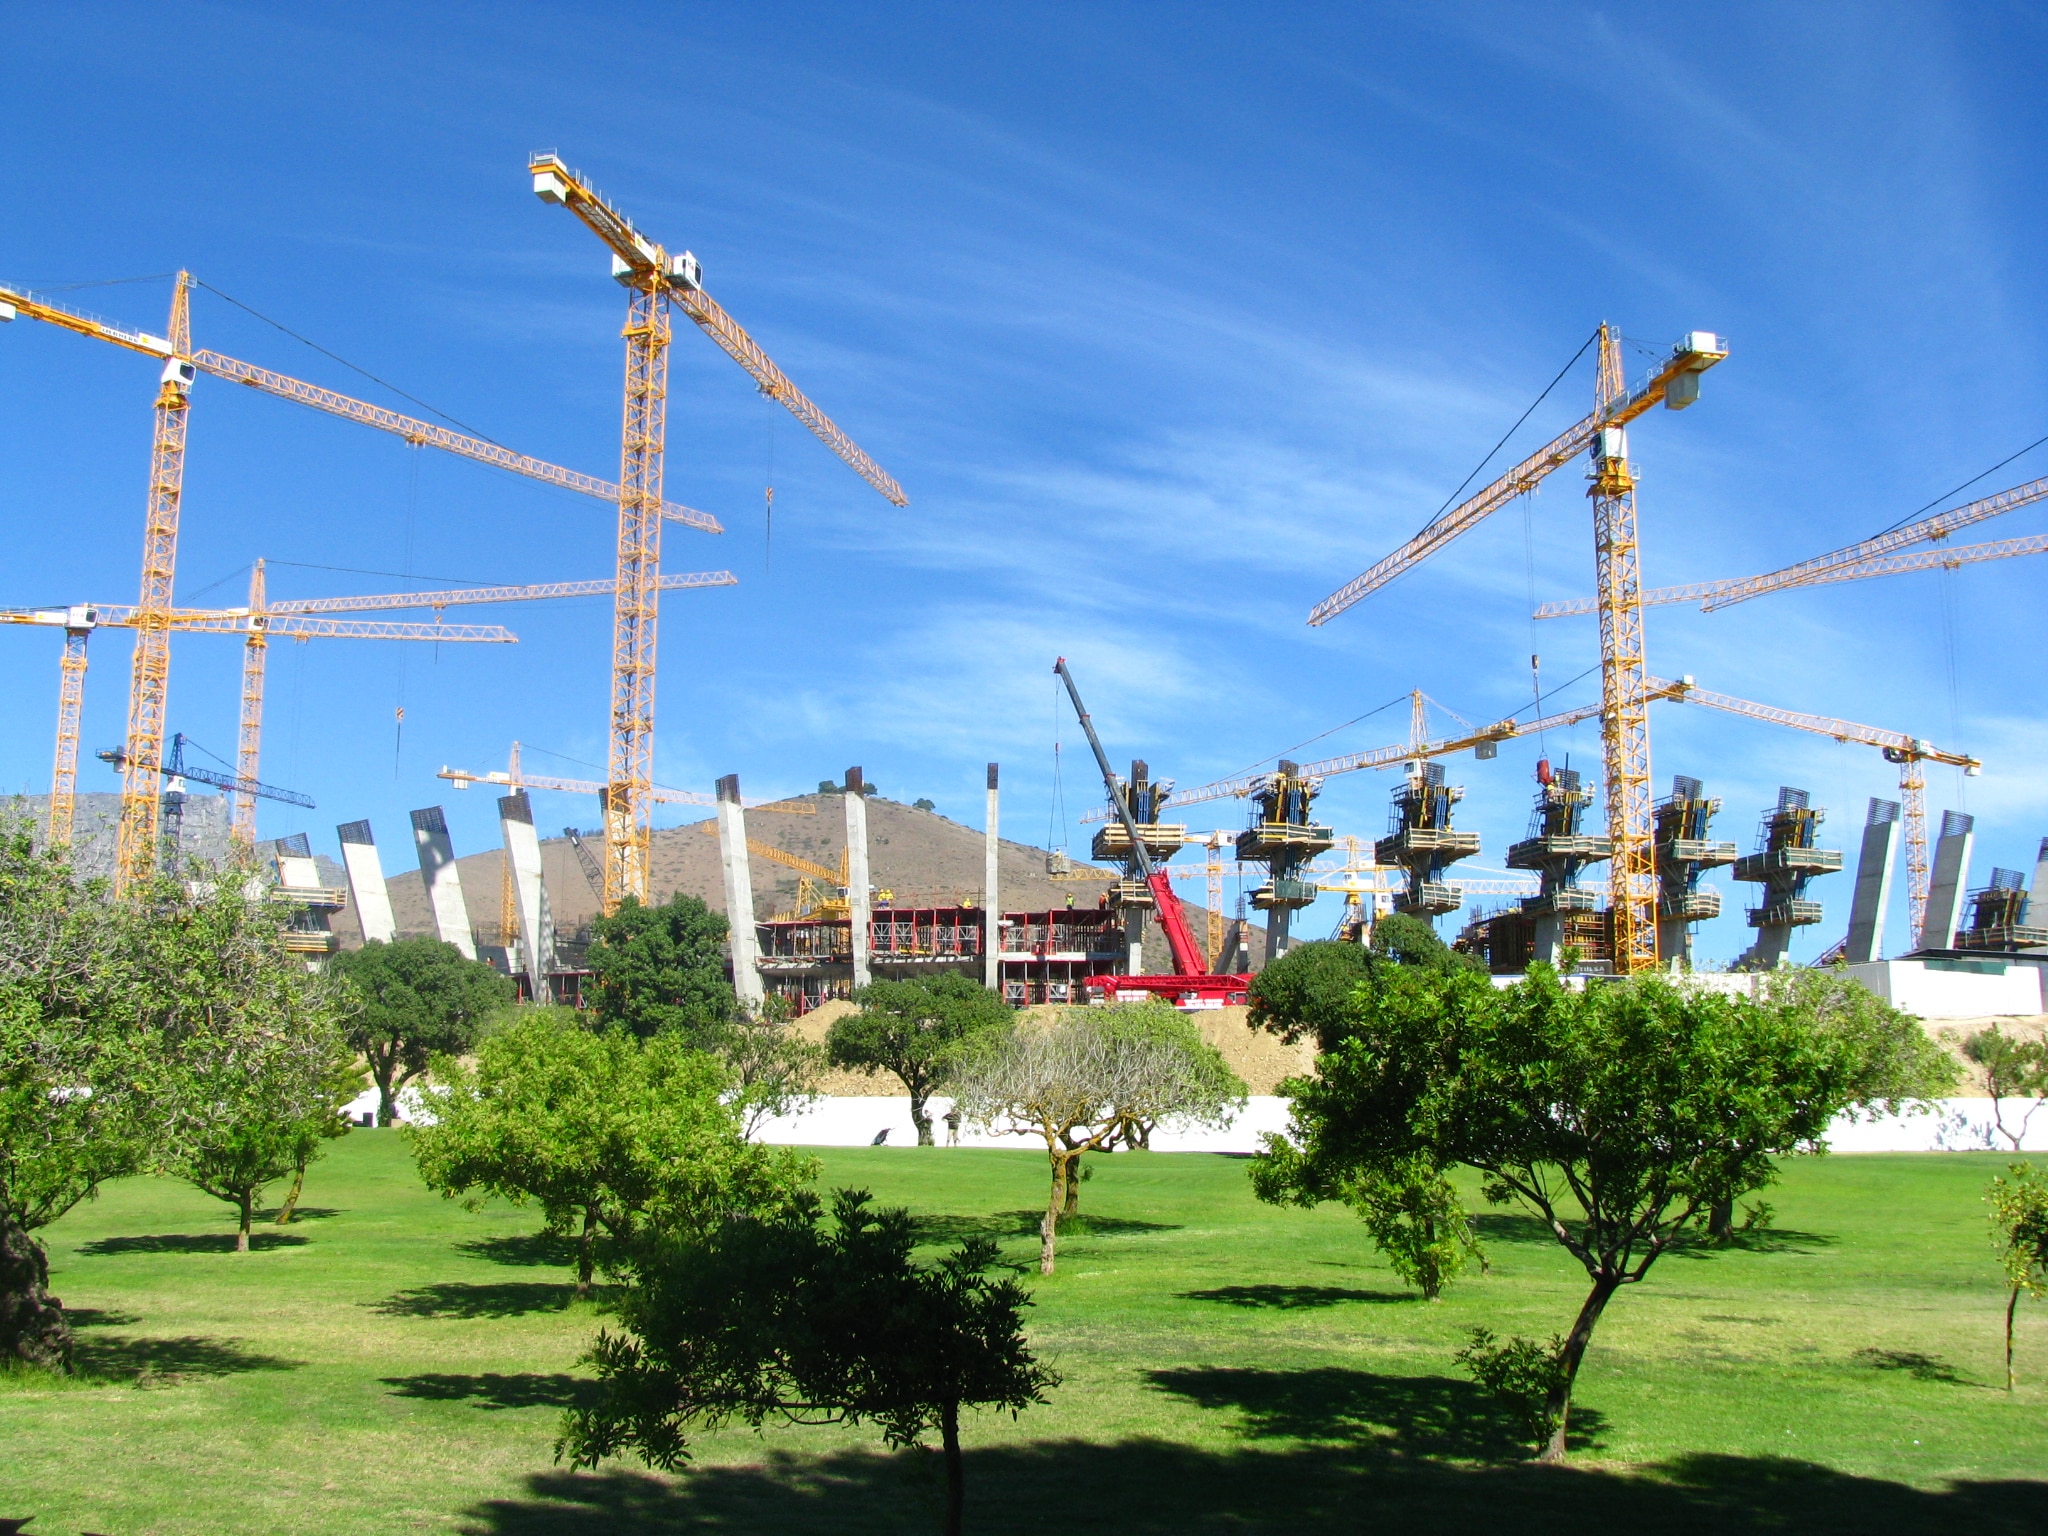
248, 1208
921, 1118
1048, 1229
956, 1472
1559, 1404
1721, 1218
291, 1201
1073, 1203
584, 1247
33, 1329
2011, 1302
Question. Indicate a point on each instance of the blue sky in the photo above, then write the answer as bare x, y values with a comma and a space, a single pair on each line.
1169, 319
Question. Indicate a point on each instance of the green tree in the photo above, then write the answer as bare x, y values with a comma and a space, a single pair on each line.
1615, 1115
258, 1066
919, 1030
1410, 940
607, 1133
1309, 990
2019, 1226
2013, 1069
77, 1075
780, 1318
1083, 1083
661, 968
1409, 1207
415, 999
775, 1070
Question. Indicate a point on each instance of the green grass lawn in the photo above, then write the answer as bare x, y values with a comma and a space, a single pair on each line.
392, 1362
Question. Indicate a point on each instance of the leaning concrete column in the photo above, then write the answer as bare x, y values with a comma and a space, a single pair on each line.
529, 891
858, 897
442, 880
2037, 894
366, 890
991, 907
1951, 875
1873, 883
739, 894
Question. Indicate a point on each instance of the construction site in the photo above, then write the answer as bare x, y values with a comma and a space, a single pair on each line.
827, 891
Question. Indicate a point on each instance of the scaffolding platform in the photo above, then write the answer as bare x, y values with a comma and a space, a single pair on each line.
1162, 840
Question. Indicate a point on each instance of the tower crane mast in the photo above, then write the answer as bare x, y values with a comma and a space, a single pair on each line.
654, 279
1624, 717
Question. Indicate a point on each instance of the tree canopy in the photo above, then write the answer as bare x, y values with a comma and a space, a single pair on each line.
919, 1030
1090, 1081
777, 1317
75, 1074
661, 968
414, 999
258, 1068
1616, 1115
607, 1133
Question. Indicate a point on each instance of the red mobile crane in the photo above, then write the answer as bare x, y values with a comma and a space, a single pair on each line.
1190, 986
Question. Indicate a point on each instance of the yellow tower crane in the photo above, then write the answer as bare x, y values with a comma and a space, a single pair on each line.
1624, 695
80, 619
655, 279
150, 677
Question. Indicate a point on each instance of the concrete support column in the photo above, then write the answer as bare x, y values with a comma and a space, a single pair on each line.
739, 894
1549, 939
1873, 883
1134, 939
442, 880
529, 892
1279, 922
366, 889
858, 896
2037, 893
1951, 875
991, 897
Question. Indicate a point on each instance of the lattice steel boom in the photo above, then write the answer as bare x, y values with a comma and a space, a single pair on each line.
1706, 592
654, 279
420, 434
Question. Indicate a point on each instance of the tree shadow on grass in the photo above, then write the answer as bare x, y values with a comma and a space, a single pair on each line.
506, 1298
302, 1213
1506, 1228
1292, 1297
1696, 1244
1147, 1487
1920, 1367
167, 1361
533, 1249
1408, 1415
526, 1389
188, 1242
98, 1317
1012, 1224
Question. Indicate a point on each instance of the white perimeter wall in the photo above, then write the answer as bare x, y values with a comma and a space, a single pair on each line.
1955, 1125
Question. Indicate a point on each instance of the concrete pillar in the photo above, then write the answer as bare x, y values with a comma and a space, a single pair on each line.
859, 898
529, 891
1279, 923
1549, 939
1134, 939
366, 889
442, 880
739, 894
2037, 893
1873, 883
991, 897
1951, 875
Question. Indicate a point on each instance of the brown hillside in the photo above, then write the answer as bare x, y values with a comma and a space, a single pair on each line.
922, 857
